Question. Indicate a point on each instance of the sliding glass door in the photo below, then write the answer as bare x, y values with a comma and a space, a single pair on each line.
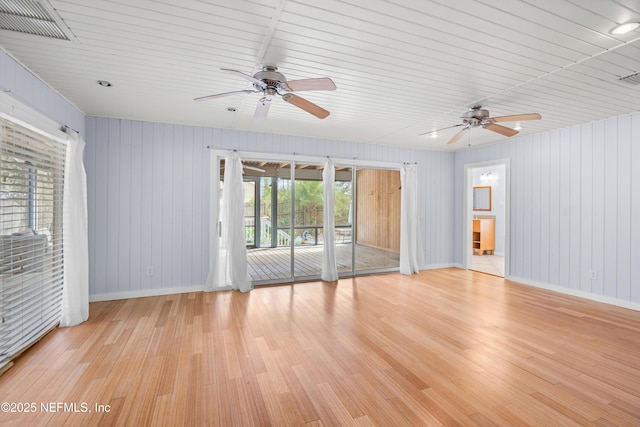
377, 236
343, 204
270, 256
283, 217
308, 221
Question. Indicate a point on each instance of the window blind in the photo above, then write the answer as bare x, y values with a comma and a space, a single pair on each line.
31, 267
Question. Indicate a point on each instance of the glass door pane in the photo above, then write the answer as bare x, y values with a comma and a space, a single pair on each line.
266, 194
250, 212
270, 257
308, 221
378, 220
343, 214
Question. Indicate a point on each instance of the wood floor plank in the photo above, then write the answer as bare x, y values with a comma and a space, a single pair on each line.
443, 347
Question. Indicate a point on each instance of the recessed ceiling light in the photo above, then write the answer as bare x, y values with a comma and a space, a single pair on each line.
434, 135
518, 126
104, 83
625, 28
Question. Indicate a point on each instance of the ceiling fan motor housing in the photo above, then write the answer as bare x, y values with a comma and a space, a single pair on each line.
270, 77
476, 116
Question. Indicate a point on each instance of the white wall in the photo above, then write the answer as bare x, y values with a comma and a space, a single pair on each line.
149, 205
20, 83
574, 192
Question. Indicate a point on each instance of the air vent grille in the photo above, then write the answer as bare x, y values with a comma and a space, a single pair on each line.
632, 79
30, 17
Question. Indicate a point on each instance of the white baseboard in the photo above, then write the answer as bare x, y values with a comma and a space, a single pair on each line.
577, 293
169, 291
144, 293
436, 266
568, 291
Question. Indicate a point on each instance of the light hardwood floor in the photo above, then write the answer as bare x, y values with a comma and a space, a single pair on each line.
444, 347
490, 264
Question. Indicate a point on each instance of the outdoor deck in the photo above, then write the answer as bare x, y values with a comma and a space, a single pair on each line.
275, 263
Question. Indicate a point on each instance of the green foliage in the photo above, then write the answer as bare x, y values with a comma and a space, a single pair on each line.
308, 202
342, 202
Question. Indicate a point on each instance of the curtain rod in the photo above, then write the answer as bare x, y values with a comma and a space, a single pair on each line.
65, 128
297, 154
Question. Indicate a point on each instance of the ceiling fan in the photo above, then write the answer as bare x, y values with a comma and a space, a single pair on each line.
270, 83
477, 117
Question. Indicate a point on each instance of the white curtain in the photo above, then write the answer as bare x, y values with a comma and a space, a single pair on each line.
228, 259
329, 268
75, 288
409, 228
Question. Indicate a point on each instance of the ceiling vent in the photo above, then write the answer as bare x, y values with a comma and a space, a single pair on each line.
35, 17
632, 79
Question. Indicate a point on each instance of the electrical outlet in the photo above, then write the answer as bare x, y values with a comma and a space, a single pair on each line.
149, 271
594, 275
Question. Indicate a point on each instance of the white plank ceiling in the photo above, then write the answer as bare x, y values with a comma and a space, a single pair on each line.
401, 67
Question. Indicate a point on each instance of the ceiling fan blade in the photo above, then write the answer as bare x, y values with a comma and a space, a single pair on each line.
307, 106
517, 117
458, 135
262, 110
246, 76
438, 130
323, 83
220, 95
502, 130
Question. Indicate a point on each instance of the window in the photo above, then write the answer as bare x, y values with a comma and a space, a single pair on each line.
31, 268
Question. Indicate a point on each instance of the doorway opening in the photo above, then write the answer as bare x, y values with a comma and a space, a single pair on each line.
487, 217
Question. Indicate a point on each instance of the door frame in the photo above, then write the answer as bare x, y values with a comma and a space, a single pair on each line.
256, 211
467, 216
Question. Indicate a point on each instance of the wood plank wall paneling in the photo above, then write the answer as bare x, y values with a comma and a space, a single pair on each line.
378, 208
23, 85
635, 209
574, 195
148, 186
579, 221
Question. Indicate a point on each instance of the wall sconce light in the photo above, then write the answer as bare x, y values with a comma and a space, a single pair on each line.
486, 176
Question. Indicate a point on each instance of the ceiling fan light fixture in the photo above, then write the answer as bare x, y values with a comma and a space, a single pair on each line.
625, 28
262, 110
477, 117
270, 83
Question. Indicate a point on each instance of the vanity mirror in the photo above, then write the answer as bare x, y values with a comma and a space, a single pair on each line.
482, 198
